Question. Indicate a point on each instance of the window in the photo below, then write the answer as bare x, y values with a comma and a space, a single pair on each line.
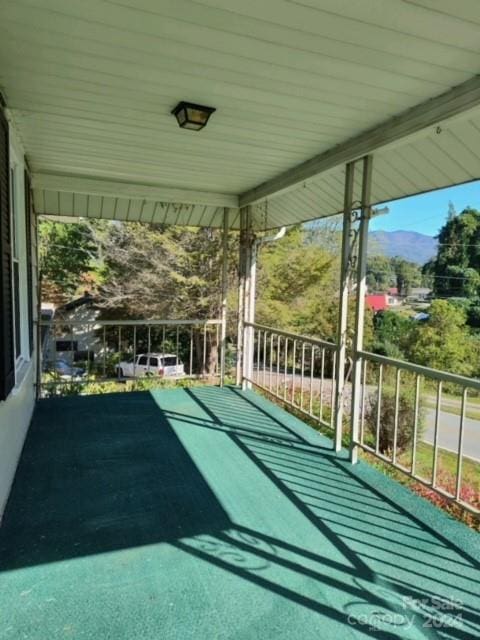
154, 362
142, 360
171, 361
15, 266
20, 266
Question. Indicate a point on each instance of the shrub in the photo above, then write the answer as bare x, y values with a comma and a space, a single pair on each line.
406, 418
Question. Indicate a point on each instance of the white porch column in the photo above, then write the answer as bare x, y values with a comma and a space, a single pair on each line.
361, 267
248, 242
244, 286
223, 335
345, 271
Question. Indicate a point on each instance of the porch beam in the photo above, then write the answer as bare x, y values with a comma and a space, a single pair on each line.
453, 102
361, 273
118, 189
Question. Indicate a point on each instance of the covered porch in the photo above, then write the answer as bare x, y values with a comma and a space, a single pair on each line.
211, 513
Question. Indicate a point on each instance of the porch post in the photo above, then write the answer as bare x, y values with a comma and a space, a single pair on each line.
223, 335
249, 301
241, 295
361, 268
345, 268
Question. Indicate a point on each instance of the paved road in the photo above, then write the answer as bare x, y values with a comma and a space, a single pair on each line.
449, 428
449, 424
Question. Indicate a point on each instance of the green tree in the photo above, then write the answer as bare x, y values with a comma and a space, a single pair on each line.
392, 334
66, 252
380, 273
298, 283
407, 275
444, 341
456, 268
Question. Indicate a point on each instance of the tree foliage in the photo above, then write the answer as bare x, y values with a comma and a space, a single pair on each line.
456, 269
444, 341
384, 272
163, 272
66, 253
298, 285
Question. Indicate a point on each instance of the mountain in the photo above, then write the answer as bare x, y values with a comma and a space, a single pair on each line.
410, 245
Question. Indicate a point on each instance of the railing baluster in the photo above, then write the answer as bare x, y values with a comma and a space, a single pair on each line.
217, 338
204, 359
395, 419
71, 352
271, 361
302, 375
364, 391
312, 365
322, 376
191, 351
379, 408
458, 487
135, 351
438, 411
259, 354
264, 357
176, 349
278, 364
104, 349
285, 370
415, 423
294, 366
88, 353
120, 349
333, 390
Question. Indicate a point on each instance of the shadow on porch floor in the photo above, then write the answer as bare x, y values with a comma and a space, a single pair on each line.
211, 513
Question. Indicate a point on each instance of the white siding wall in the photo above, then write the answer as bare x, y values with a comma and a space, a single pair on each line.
16, 411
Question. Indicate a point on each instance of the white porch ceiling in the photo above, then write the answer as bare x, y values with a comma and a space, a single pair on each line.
90, 86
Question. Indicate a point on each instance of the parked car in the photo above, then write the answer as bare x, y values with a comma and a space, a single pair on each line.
152, 364
65, 370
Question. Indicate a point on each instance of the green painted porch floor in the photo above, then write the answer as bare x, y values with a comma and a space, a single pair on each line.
210, 513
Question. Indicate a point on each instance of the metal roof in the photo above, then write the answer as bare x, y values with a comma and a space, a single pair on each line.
90, 87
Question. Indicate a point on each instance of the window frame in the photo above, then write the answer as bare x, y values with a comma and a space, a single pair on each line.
19, 265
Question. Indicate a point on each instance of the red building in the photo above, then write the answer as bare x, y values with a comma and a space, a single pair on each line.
377, 301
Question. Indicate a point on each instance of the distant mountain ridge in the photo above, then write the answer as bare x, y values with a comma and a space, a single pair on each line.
410, 245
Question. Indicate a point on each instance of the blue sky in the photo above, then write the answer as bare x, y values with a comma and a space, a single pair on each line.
426, 213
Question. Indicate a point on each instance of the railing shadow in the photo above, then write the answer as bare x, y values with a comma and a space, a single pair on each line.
122, 476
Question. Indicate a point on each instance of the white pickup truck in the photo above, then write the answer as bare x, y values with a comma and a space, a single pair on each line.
152, 364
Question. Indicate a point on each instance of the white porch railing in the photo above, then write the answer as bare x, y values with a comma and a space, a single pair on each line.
297, 370
395, 400
85, 351
426, 394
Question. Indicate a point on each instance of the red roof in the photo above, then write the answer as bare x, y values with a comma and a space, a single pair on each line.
377, 302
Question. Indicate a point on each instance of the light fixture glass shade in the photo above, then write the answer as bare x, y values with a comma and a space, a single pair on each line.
192, 116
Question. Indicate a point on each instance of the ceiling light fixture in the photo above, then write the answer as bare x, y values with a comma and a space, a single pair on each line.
192, 116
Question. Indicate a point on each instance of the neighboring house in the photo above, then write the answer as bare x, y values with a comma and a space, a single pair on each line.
381, 301
75, 336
